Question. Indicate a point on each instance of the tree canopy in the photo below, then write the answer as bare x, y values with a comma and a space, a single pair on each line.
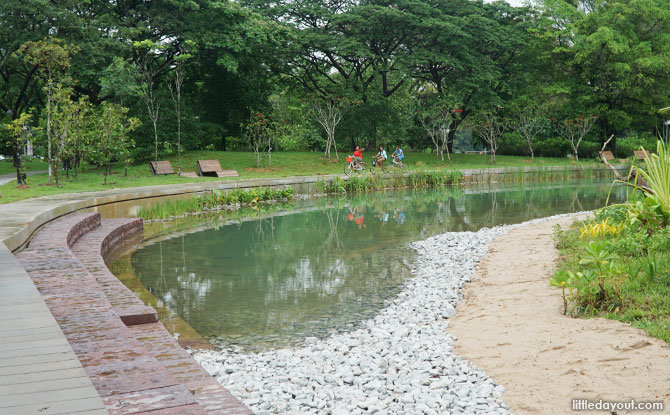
557, 59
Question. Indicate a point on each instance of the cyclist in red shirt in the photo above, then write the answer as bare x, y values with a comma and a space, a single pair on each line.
358, 156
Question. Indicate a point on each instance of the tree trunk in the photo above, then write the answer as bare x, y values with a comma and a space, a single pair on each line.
451, 135
54, 167
49, 133
155, 140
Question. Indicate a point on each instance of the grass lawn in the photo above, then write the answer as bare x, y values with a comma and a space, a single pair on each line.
7, 166
283, 164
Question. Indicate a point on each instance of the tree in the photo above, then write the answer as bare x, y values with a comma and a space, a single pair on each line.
259, 137
612, 57
154, 59
530, 123
110, 135
19, 131
328, 113
474, 53
51, 58
21, 22
68, 124
175, 92
438, 122
573, 131
120, 81
490, 128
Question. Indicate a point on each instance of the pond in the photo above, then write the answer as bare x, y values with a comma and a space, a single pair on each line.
320, 265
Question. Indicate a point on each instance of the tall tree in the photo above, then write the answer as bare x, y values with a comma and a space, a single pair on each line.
474, 53
51, 58
612, 57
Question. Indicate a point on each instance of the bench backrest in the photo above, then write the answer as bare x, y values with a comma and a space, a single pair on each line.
160, 167
641, 154
607, 155
209, 166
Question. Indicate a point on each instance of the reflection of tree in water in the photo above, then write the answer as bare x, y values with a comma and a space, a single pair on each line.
281, 278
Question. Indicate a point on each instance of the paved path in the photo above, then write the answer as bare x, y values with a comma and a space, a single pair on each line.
39, 372
6, 178
133, 362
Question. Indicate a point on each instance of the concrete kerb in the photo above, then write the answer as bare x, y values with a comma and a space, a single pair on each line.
18, 221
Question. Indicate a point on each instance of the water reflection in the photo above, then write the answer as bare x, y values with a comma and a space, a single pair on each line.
325, 266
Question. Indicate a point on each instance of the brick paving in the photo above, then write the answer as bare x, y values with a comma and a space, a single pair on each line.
135, 367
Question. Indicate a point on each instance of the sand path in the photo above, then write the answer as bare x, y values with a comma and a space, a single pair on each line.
510, 325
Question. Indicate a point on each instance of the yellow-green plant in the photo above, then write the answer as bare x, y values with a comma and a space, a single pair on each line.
595, 230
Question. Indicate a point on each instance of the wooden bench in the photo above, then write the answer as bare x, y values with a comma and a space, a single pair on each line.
189, 174
160, 167
641, 154
607, 155
213, 168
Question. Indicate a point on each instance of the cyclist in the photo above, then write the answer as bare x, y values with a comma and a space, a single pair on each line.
358, 157
380, 157
398, 155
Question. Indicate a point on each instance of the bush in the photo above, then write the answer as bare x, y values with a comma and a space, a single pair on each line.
552, 147
625, 146
589, 149
513, 144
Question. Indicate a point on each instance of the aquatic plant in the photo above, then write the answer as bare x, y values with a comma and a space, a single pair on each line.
214, 199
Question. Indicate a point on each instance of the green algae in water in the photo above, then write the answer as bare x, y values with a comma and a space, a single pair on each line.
325, 267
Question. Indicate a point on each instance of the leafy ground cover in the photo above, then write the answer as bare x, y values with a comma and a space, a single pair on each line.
283, 164
617, 265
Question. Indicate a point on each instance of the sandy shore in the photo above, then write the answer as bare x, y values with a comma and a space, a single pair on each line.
510, 325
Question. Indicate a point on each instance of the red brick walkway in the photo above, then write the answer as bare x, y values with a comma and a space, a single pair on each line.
136, 368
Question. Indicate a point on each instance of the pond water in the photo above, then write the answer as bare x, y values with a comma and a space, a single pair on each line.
321, 265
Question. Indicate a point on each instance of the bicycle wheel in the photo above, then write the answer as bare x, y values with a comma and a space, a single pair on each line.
348, 169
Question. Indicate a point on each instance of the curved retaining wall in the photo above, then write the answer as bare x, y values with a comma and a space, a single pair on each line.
18, 221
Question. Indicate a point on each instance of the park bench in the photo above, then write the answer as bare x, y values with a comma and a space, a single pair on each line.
641, 154
189, 174
160, 168
213, 168
607, 155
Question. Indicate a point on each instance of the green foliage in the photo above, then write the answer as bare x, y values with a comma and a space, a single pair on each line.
370, 183
109, 136
656, 172
214, 200
624, 275
67, 125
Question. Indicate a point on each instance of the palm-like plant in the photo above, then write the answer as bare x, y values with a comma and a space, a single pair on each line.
656, 173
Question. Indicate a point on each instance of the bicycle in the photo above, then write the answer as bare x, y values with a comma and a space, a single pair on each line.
353, 167
402, 165
376, 167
